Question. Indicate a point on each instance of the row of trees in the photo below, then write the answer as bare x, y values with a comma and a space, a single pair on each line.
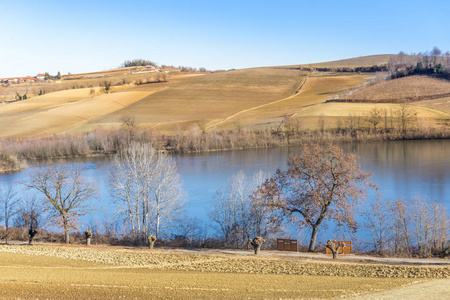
435, 62
404, 226
320, 186
137, 63
144, 184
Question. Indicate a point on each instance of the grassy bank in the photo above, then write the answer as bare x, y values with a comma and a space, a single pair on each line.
107, 142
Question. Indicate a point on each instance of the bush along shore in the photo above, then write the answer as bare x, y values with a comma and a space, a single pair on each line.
15, 152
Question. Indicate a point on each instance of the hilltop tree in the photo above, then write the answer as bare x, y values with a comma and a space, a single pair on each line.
66, 193
321, 184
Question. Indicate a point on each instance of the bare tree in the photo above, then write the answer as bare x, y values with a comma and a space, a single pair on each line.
378, 220
66, 192
405, 116
31, 214
239, 212
374, 116
9, 208
322, 183
168, 197
147, 190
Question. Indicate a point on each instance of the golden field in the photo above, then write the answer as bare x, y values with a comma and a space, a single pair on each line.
411, 88
256, 98
104, 272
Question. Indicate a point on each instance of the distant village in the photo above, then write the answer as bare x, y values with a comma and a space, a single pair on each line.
29, 79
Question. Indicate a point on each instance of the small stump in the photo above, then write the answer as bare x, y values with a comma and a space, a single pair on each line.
88, 235
31, 234
334, 246
151, 241
257, 243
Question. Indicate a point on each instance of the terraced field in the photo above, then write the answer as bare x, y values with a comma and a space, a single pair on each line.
99, 272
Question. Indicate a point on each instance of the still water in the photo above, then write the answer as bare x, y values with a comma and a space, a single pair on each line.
402, 169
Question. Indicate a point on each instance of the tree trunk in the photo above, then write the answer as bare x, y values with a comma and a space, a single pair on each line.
6, 232
151, 245
158, 220
312, 243
88, 241
257, 248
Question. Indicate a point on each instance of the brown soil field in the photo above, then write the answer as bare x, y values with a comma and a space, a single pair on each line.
104, 272
363, 61
411, 88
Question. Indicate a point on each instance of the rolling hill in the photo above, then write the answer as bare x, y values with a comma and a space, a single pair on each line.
249, 98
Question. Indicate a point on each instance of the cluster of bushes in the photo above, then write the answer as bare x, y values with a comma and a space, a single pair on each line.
138, 63
434, 62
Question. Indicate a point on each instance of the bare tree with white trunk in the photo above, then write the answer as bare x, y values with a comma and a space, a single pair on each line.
9, 208
147, 190
66, 192
240, 214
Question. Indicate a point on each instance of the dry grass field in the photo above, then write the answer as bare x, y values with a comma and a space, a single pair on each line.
249, 98
410, 88
47, 100
64, 117
210, 98
315, 91
441, 104
363, 61
103, 272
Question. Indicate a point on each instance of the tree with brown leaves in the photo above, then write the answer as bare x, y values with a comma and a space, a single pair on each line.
66, 192
322, 183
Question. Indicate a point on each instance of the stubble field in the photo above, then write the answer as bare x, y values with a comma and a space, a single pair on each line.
103, 272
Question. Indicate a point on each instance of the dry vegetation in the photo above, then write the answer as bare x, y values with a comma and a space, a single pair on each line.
99, 272
411, 88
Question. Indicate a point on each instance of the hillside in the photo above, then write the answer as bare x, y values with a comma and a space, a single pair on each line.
411, 88
256, 98
362, 61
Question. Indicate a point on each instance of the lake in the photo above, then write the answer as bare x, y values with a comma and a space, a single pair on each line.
402, 169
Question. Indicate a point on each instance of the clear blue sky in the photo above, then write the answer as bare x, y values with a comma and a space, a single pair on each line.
80, 36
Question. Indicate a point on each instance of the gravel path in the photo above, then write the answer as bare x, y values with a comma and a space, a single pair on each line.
430, 290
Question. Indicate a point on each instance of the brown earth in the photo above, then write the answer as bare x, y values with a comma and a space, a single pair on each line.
104, 272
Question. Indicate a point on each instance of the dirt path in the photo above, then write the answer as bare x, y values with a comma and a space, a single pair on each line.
298, 91
435, 289
321, 256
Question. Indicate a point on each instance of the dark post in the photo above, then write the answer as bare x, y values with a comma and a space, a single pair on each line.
31, 233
